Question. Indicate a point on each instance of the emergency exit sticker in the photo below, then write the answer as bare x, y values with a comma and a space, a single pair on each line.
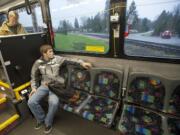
90, 48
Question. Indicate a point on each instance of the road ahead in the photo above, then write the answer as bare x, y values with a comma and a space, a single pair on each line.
173, 41
143, 45
142, 37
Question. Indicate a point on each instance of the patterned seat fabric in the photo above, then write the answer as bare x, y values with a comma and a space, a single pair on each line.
102, 107
173, 126
107, 84
75, 101
80, 79
100, 110
148, 92
174, 102
80, 83
136, 121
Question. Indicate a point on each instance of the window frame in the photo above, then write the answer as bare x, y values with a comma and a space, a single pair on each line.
19, 6
109, 54
120, 45
24, 6
122, 54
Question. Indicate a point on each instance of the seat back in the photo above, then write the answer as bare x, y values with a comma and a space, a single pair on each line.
136, 120
107, 83
154, 91
80, 79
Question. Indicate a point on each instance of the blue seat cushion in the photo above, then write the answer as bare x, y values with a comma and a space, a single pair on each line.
99, 109
75, 101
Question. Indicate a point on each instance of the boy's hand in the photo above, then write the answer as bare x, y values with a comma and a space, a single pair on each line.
32, 92
86, 65
45, 83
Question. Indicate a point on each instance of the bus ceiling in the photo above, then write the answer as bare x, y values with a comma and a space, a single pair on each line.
6, 5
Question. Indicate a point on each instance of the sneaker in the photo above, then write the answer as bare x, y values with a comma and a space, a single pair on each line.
48, 129
38, 125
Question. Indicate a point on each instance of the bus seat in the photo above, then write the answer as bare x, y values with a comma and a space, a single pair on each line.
80, 83
104, 104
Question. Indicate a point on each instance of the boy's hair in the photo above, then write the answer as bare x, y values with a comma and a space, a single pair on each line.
45, 48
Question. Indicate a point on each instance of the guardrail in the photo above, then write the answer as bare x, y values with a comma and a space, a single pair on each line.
153, 45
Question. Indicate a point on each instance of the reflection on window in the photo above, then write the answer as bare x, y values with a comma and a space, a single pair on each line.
32, 23
2, 18
153, 27
81, 25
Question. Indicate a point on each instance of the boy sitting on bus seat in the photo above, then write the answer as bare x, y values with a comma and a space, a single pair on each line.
12, 26
44, 70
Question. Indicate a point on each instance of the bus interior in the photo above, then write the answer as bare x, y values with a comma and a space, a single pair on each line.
133, 87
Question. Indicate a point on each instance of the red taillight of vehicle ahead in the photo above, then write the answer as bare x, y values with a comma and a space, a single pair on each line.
126, 34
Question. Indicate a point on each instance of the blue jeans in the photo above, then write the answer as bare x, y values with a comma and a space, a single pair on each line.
37, 110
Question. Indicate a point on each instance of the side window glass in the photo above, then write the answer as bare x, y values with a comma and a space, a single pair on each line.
2, 18
153, 27
19, 22
32, 23
81, 25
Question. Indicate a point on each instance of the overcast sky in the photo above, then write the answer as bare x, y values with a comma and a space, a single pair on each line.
26, 20
69, 9
152, 8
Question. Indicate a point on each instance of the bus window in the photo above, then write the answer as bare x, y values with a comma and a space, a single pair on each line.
2, 18
154, 28
81, 25
32, 23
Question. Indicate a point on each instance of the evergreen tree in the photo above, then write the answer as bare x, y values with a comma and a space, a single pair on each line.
132, 13
64, 27
76, 23
176, 20
160, 25
145, 26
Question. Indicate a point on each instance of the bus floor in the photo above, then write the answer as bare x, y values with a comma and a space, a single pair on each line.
65, 123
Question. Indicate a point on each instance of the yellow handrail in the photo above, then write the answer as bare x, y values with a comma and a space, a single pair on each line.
9, 121
4, 84
2, 100
16, 90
